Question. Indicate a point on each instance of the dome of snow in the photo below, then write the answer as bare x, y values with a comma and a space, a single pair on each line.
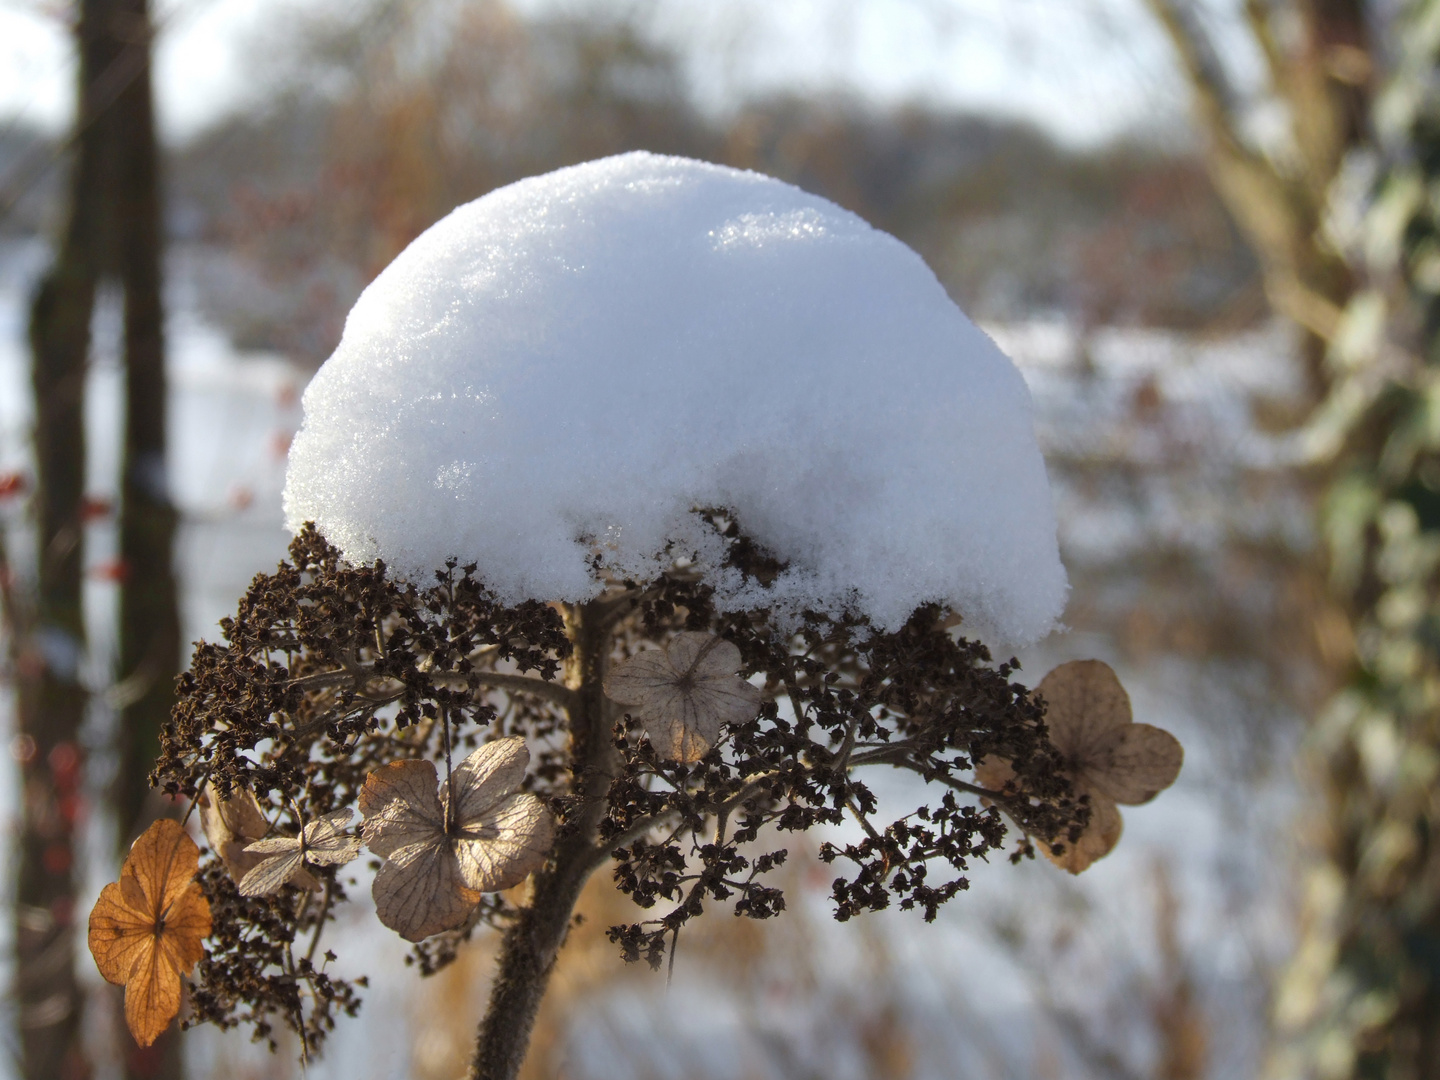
574, 363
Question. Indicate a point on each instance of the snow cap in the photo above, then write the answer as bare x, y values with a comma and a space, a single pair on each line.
577, 361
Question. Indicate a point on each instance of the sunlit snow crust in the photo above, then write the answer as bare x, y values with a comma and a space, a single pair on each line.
576, 361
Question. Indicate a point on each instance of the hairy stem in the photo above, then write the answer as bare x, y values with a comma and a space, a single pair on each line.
530, 946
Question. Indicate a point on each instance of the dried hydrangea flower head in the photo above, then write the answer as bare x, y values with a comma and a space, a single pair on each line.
478, 834
684, 693
146, 928
321, 843
1107, 756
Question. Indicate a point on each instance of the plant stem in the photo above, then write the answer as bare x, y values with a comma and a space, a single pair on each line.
527, 955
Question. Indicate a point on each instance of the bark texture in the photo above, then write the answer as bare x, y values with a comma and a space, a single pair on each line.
51, 697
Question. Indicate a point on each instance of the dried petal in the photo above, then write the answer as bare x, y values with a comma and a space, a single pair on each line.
1107, 756
684, 694
401, 806
152, 996
121, 932
1085, 703
506, 844
326, 845
274, 872
437, 867
229, 825
1089, 716
1136, 764
420, 891
486, 776
1101, 835
146, 929
993, 773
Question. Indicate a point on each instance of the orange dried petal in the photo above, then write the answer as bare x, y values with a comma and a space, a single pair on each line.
119, 934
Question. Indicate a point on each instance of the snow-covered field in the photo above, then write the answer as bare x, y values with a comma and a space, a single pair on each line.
1030, 974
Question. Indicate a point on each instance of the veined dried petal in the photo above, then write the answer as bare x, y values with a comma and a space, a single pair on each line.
283, 858
1106, 753
230, 824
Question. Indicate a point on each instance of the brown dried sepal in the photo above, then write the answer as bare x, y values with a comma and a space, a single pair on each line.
440, 858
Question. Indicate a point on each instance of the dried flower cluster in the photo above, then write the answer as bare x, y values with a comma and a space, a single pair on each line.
646, 729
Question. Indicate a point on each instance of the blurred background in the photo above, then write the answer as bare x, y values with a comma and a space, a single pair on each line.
1201, 228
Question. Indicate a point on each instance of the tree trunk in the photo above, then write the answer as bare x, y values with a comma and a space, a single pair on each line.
52, 698
149, 632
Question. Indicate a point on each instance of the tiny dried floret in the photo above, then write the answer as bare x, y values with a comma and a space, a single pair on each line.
1107, 756
283, 858
478, 834
145, 930
685, 693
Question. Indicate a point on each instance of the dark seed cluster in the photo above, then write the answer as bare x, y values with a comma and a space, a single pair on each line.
329, 671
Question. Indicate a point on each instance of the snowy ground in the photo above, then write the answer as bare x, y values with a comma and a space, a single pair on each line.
997, 987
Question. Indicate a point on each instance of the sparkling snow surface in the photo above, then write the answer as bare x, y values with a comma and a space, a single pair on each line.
572, 364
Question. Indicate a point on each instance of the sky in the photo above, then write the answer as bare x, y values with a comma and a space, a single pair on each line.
1085, 69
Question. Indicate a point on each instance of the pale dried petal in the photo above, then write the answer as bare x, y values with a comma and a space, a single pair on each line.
506, 844
703, 655
432, 878
273, 873
686, 694
419, 891
326, 844
486, 777
637, 680
1086, 703
275, 845
1098, 840
1136, 763
730, 699
401, 806
229, 825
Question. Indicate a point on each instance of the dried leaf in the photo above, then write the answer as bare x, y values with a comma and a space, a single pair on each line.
685, 693
439, 858
146, 929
